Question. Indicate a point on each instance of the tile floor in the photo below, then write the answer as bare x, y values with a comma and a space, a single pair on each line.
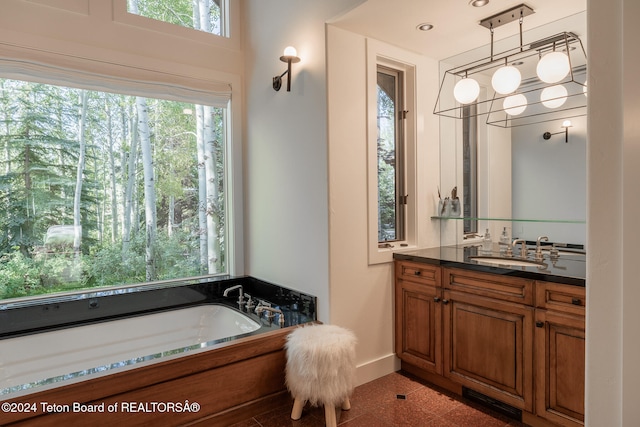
376, 404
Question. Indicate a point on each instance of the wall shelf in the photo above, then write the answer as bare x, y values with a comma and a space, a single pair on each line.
461, 218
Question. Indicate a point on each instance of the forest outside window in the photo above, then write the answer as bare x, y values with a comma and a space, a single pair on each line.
204, 15
100, 189
392, 197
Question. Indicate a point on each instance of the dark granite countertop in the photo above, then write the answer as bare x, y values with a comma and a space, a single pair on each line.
568, 269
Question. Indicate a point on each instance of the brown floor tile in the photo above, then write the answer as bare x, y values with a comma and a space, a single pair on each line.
394, 400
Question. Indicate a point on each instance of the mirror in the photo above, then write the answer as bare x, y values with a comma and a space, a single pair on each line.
537, 186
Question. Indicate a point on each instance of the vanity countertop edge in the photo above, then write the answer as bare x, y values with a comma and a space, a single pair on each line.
565, 271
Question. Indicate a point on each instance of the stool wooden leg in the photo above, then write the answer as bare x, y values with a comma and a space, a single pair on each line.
346, 405
330, 416
296, 412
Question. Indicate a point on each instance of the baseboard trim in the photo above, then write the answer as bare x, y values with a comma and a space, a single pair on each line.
376, 368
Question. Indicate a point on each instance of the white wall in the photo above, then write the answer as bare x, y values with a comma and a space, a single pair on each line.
550, 180
613, 343
286, 193
361, 295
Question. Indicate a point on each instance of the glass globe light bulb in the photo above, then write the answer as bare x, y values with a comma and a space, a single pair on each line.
506, 79
553, 96
553, 67
514, 104
290, 51
466, 91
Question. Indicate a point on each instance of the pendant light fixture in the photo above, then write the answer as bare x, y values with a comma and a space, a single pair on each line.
506, 79
515, 105
553, 67
466, 91
553, 96
531, 83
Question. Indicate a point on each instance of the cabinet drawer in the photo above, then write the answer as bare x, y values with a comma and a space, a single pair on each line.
416, 272
504, 288
560, 297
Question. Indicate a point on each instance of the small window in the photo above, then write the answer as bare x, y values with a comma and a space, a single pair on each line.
391, 184
202, 15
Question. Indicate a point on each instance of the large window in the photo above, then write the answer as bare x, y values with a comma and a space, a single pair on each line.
203, 15
391, 182
101, 189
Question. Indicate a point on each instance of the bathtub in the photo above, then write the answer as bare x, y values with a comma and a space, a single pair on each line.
147, 344
38, 359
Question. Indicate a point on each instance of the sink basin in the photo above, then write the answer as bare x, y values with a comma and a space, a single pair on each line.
507, 262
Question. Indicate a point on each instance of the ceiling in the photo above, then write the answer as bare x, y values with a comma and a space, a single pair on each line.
456, 22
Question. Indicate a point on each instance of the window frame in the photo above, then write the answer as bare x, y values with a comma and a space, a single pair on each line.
230, 25
376, 253
22, 65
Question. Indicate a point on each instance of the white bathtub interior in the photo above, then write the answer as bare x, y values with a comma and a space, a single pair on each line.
49, 357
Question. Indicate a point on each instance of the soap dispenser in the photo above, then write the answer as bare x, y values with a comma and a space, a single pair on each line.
504, 241
486, 241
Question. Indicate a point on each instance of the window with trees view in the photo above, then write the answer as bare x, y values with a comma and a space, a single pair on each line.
203, 15
391, 191
101, 189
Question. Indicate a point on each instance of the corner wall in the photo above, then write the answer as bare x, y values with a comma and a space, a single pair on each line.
613, 209
361, 295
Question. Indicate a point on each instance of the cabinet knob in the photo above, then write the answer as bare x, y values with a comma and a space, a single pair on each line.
539, 324
417, 272
436, 299
576, 301
445, 301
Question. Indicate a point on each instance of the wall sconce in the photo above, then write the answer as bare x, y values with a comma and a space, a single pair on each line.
289, 56
566, 125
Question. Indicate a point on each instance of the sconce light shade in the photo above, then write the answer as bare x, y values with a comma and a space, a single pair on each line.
289, 51
553, 67
554, 96
566, 124
466, 91
506, 79
515, 104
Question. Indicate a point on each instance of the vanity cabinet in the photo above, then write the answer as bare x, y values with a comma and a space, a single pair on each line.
418, 315
488, 335
560, 353
518, 341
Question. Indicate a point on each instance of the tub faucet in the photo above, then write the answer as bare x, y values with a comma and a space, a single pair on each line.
271, 312
250, 304
233, 288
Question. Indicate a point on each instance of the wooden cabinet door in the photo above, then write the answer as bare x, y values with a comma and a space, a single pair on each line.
560, 367
418, 325
488, 347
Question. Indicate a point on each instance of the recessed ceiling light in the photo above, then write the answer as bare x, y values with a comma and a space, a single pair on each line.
425, 27
479, 3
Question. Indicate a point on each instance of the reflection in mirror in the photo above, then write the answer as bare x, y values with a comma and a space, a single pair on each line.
535, 186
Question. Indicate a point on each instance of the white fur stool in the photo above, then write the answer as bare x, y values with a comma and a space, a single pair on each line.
321, 368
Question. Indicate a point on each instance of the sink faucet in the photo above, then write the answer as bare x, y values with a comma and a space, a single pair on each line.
523, 247
538, 255
233, 288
